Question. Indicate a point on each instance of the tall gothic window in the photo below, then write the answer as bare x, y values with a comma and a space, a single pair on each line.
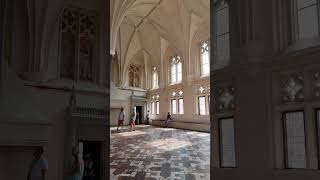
78, 37
294, 140
176, 70
134, 76
155, 78
177, 102
205, 58
222, 36
155, 105
203, 92
307, 19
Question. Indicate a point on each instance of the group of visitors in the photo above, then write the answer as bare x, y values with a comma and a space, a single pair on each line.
134, 116
79, 170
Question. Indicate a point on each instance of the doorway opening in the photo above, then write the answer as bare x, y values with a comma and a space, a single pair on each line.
140, 115
91, 153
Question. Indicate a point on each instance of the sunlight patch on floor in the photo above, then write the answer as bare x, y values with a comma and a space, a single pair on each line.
169, 144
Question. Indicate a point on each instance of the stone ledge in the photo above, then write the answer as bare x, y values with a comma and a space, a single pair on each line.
183, 125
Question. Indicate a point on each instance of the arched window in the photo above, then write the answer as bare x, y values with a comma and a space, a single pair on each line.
134, 76
205, 58
307, 20
155, 78
155, 105
176, 70
222, 36
177, 102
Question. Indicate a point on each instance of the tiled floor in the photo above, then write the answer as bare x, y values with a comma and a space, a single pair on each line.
160, 153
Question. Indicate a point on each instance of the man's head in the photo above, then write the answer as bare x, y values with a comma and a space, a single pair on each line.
121, 109
38, 152
168, 112
75, 150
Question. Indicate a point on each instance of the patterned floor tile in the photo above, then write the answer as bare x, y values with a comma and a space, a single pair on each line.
152, 153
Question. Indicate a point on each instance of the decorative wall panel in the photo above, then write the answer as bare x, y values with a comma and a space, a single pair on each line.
225, 99
292, 88
78, 32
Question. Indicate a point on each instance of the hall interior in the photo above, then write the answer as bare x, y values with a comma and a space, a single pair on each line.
68, 66
258, 59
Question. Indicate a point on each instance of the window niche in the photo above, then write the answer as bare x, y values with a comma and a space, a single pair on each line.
175, 69
78, 40
222, 36
306, 18
155, 105
294, 140
134, 76
203, 99
205, 58
177, 101
227, 143
155, 78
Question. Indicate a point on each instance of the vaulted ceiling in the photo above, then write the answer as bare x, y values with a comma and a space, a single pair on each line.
149, 27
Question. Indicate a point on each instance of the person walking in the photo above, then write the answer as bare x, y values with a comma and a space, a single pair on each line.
38, 167
169, 117
120, 118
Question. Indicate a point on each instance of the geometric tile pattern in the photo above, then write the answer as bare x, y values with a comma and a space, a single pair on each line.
154, 153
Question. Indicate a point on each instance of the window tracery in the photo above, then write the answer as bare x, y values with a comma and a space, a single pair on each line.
177, 101
205, 58
78, 37
176, 69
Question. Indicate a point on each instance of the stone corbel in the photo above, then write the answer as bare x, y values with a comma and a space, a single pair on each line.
292, 88
225, 99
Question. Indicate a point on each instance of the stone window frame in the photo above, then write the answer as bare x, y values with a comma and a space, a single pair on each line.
203, 91
155, 98
285, 139
154, 85
218, 6
295, 18
177, 94
204, 50
220, 141
175, 61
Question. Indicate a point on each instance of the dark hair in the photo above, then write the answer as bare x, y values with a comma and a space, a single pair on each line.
40, 150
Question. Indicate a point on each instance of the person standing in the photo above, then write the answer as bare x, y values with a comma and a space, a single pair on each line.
89, 171
120, 119
147, 118
77, 166
133, 119
169, 117
39, 166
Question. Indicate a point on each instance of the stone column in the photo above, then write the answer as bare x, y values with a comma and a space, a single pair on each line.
2, 36
71, 132
106, 149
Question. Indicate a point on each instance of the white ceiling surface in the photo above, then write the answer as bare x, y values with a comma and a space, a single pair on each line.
143, 25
